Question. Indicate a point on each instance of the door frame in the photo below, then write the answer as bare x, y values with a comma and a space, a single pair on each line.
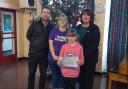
12, 57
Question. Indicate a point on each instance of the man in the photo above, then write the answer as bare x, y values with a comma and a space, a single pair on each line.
37, 35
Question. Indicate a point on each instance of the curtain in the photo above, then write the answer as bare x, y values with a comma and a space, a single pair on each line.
117, 38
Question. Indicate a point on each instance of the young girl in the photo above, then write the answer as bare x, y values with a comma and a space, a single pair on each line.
74, 49
57, 38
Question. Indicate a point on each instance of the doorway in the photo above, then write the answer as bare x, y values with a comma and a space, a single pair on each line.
8, 48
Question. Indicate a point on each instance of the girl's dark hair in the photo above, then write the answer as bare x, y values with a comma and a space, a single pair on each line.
89, 13
72, 33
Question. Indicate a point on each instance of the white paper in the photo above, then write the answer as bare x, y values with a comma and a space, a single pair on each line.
69, 62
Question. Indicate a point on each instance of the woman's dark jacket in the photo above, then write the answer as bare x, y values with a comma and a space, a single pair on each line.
91, 43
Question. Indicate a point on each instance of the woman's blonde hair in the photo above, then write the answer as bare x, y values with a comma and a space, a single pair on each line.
62, 16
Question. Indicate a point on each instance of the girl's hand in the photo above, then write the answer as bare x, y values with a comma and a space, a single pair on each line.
78, 62
55, 57
59, 63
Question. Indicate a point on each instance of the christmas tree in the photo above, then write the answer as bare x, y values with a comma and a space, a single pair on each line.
72, 8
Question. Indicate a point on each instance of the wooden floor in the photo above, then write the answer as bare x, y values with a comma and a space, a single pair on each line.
14, 76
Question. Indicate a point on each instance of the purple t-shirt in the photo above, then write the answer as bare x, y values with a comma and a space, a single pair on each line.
59, 38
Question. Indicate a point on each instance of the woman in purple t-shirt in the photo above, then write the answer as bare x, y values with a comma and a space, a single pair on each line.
57, 38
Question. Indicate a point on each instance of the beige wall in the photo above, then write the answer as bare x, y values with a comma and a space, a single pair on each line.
23, 18
9, 4
10, 1
100, 20
20, 31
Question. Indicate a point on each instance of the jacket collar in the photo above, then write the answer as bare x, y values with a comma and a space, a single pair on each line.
48, 25
90, 26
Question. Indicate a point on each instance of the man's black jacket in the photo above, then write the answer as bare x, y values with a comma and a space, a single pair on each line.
38, 35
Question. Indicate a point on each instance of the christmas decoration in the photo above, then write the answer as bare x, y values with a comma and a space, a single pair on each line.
72, 8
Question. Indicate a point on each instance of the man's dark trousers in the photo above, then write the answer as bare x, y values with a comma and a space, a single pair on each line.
34, 60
